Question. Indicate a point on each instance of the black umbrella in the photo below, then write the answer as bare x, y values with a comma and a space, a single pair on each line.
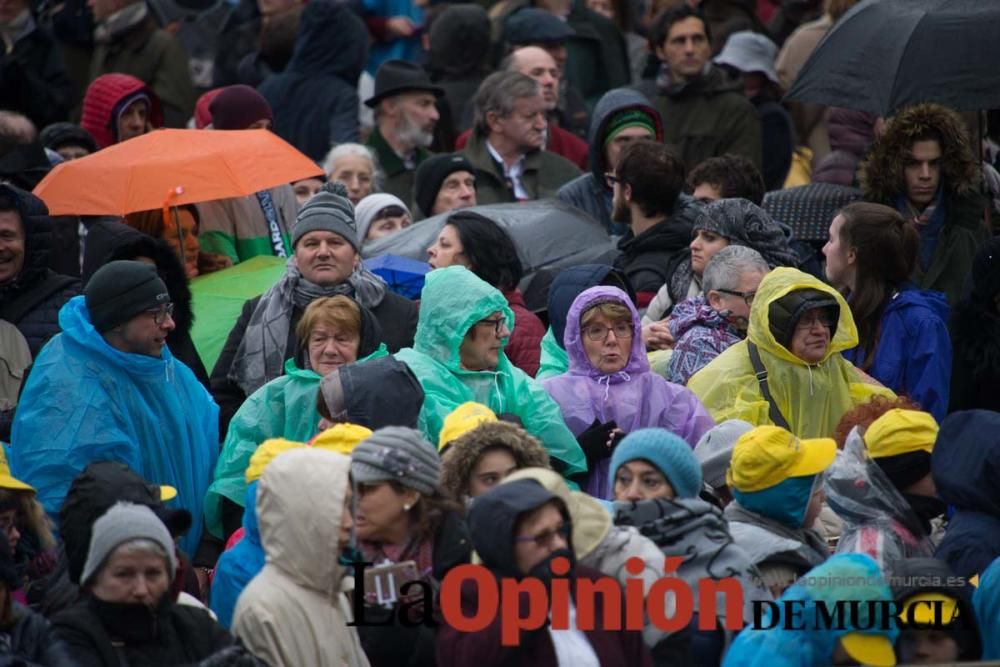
886, 54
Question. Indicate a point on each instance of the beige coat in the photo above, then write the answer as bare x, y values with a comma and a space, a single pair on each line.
294, 612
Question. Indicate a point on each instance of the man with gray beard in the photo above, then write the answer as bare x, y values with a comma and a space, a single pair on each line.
405, 116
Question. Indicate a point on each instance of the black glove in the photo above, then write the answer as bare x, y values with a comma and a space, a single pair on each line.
594, 441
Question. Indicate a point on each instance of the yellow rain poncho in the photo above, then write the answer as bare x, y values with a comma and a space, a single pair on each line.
811, 398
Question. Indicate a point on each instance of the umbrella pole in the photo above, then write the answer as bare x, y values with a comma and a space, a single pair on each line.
180, 235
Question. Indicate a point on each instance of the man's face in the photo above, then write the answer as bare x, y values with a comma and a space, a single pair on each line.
325, 258
613, 149
558, 52
539, 65
417, 118
70, 152
735, 305
11, 246
686, 48
10, 9
145, 334
546, 525
102, 9
620, 212
480, 349
132, 122
525, 126
457, 191
923, 172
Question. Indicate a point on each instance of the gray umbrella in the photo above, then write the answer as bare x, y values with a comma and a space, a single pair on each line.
886, 54
549, 236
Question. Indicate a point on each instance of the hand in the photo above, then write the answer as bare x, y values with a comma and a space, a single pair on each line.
597, 441
400, 26
657, 336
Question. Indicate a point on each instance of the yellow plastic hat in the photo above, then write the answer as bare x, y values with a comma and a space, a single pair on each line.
867, 649
267, 452
768, 455
901, 432
930, 609
8, 481
167, 493
341, 438
463, 419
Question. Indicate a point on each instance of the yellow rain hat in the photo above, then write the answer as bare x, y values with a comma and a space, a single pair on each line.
267, 452
868, 649
901, 432
768, 455
463, 419
341, 438
8, 481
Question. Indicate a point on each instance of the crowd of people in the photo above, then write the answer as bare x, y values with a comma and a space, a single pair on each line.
781, 374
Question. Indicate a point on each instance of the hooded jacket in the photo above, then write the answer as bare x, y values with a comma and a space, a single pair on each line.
812, 398
32, 300
458, 58
238, 565
564, 289
965, 464
913, 354
590, 192
524, 347
851, 134
807, 642
86, 401
315, 100
453, 300
701, 334
100, 103
294, 611
633, 398
882, 179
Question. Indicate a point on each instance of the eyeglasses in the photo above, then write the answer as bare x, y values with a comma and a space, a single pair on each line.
499, 324
598, 333
611, 179
544, 539
160, 314
809, 320
748, 297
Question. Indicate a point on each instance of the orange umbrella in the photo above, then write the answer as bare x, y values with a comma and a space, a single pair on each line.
170, 168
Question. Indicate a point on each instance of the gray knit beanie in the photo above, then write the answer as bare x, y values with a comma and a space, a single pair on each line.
126, 522
330, 211
714, 450
397, 453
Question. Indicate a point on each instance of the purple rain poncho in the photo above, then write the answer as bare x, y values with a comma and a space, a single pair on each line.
634, 397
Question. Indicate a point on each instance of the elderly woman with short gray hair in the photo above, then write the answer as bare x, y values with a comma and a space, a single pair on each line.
705, 325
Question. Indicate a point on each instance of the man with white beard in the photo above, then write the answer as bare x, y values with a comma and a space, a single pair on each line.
405, 116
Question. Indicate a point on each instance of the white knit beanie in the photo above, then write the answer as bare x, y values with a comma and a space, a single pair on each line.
126, 522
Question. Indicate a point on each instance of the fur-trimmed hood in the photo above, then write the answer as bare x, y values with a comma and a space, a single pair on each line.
464, 452
881, 175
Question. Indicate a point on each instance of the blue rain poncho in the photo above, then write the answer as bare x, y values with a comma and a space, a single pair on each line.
85, 401
238, 565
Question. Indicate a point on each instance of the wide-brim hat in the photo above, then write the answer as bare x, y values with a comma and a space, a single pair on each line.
398, 76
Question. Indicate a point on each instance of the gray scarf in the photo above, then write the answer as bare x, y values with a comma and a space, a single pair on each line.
120, 22
261, 355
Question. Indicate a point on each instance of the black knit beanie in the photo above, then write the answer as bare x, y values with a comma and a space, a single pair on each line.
431, 174
120, 290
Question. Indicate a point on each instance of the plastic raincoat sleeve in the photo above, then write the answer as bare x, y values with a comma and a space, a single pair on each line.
554, 360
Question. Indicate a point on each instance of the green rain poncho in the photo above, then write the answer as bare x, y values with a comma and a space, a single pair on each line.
811, 398
452, 301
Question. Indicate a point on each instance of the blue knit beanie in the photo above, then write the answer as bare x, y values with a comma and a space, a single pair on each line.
670, 454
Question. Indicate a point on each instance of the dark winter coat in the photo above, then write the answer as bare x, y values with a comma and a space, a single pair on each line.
650, 259
708, 117
32, 301
777, 138
31, 642
102, 634
851, 135
315, 100
396, 315
965, 464
975, 338
590, 192
457, 58
524, 347
398, 179
544, 173
33, 79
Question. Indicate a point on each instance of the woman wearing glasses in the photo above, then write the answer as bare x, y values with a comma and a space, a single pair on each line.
789, 371
609, 388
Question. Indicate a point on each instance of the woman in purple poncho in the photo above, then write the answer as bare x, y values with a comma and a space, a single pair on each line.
609, 390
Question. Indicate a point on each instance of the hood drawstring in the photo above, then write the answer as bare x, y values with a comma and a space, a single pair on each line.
499, 393
810, 369
607, 381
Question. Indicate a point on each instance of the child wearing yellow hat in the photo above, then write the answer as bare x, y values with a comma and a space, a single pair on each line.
26, 526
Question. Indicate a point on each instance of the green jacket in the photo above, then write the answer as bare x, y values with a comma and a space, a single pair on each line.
283, 408
453, 300
961, 237
544, 174
709, 117
554, 360
398, 179
159, 60
237, 227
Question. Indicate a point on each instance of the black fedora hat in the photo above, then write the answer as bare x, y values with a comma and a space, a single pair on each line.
399, 76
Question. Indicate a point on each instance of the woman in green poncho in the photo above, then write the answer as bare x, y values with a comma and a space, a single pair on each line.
458, 356
333, 331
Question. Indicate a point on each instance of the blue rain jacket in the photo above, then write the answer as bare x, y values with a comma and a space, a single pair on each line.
237, 566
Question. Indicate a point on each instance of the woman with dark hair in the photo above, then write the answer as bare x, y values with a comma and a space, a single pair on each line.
902, 336
479, 244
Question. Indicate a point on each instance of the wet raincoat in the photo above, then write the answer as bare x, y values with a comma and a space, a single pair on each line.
285, 407
238, 565
811, 398
452, 301
294, 613
86, 401
815, 645
633, 398
986, 601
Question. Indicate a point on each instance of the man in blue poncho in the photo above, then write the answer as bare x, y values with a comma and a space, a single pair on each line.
107, 388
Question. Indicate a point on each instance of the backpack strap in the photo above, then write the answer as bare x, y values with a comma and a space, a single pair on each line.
761, 374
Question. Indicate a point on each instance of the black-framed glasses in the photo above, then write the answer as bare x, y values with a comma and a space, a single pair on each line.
545, 538
748, 297
611, 179
814, 317
498, 324
597, 333
161, 313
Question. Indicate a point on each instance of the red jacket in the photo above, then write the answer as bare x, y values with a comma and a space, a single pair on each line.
561, 142
104, 94
524, 348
